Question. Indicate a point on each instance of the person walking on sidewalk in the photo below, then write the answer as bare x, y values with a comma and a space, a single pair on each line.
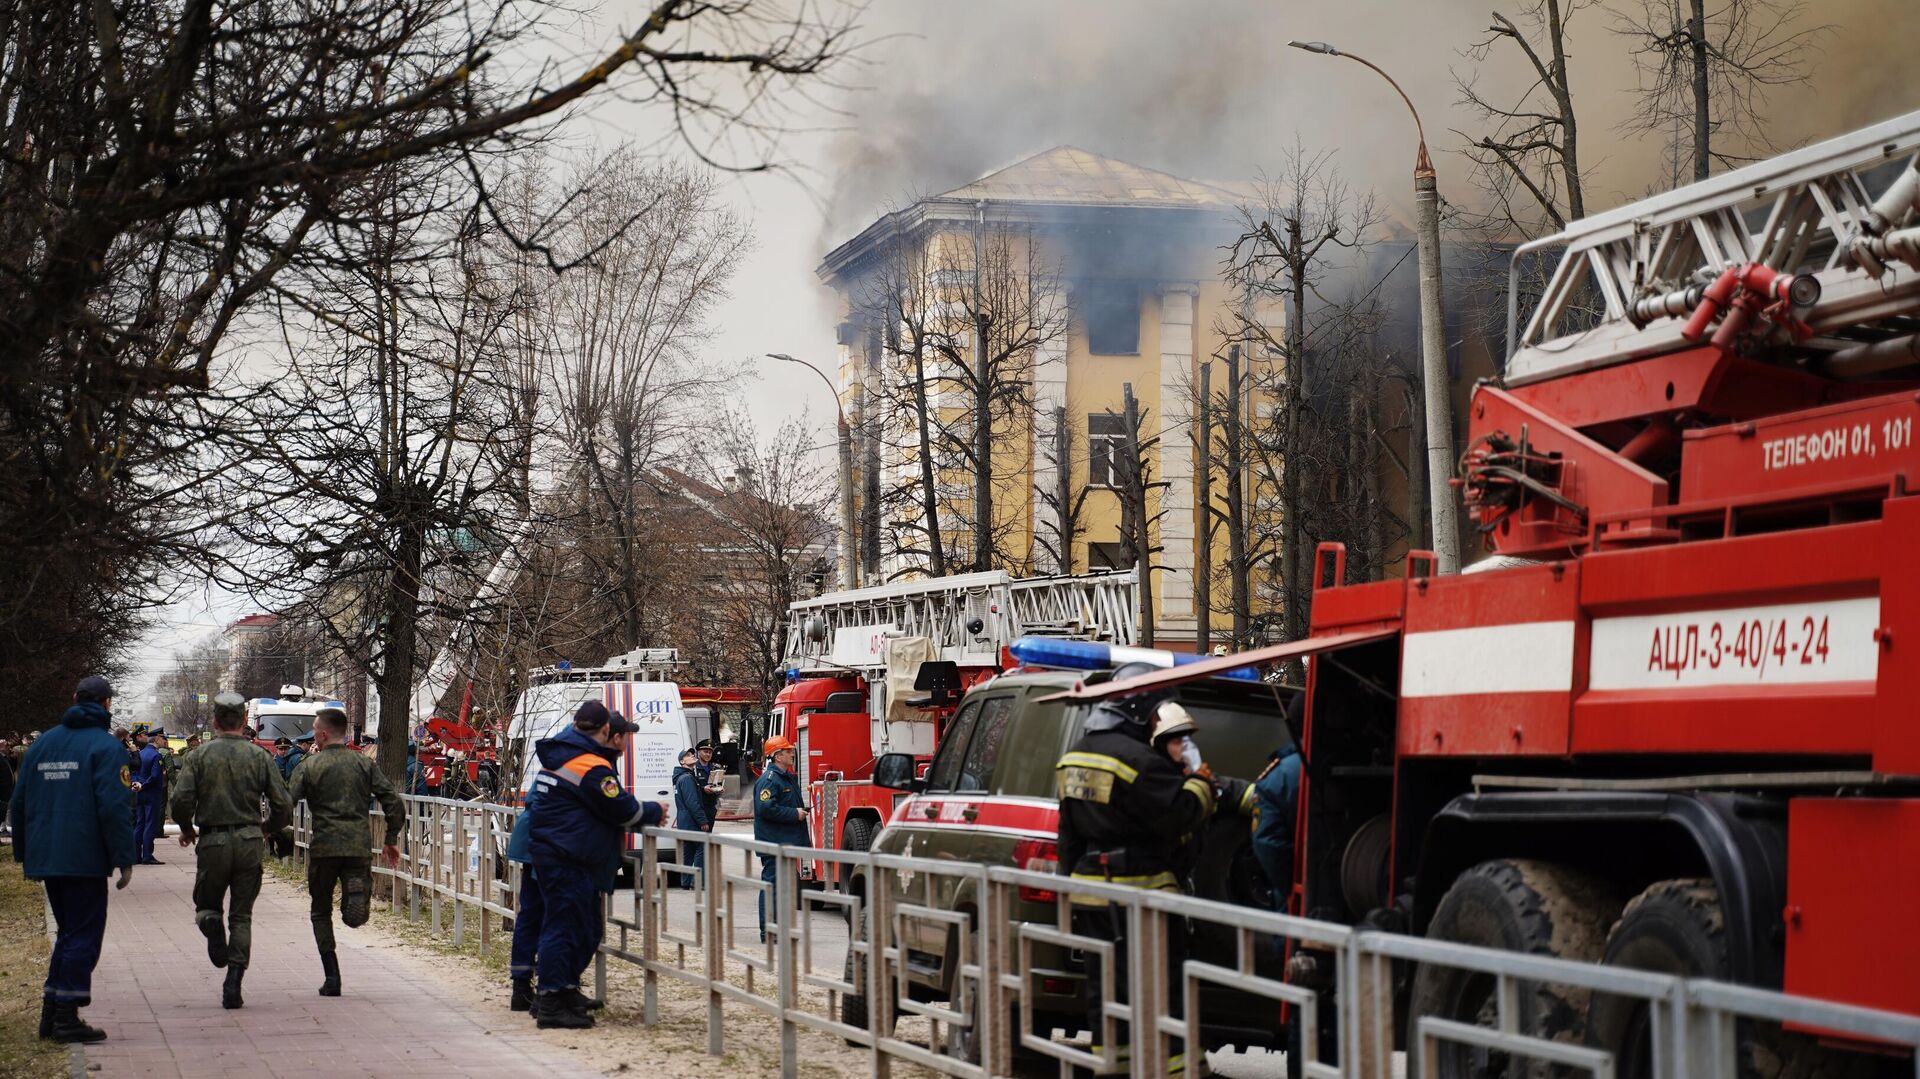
72, 812
337, 784
217, 804
779, 816
579, 812
149, 796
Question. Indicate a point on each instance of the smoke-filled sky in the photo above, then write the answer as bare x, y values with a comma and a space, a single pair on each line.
946, 90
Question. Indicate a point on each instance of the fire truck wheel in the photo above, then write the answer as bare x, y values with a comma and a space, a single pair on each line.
853, 1006
859, 834
1678, 927
1522, 906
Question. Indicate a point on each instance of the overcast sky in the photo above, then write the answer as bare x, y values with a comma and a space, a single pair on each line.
944, 92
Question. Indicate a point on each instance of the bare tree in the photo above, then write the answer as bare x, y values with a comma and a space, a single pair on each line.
168, 166
632, 386
1527, 158
368, 521
899, 298
1302, 250
1706, 70
1057, 532
1134, 483
777, 539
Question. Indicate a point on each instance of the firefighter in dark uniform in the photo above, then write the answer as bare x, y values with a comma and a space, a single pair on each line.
1128, 815
217, 805
578, 812
779, 816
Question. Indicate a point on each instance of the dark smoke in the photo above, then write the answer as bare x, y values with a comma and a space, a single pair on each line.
1206, 89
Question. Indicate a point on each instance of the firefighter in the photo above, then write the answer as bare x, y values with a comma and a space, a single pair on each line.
217, 804
1276, 801
1128, 815
779, 816
338, 785
579, 810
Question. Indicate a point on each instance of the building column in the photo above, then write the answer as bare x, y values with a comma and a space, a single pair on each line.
1174, 608
1049, 393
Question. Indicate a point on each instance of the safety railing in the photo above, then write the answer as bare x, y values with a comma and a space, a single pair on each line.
958, 967
453, 867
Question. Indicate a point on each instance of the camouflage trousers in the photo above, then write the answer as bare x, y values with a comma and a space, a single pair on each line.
354, 878
228, 863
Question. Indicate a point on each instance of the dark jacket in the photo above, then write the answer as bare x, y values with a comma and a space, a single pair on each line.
1127, 812
338, 784
776, 809
72, 806
1277, 798
151, 774
579, 809
689, 804
520, 840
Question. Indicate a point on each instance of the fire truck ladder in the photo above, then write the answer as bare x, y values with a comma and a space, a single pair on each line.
969, 617
1813, 234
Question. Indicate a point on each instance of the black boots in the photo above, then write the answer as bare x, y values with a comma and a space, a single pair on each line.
564, 1009
46, 1017
522, 995
64, 1025
215, 930
230, 992
330, 965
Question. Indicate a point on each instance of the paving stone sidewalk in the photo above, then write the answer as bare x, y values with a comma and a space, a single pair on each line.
158, 999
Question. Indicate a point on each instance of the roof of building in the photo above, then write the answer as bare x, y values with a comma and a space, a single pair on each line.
1062, 180
256, 621
1069, 175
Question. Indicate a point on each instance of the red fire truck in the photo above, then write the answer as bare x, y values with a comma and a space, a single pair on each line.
1671, 724
856, 655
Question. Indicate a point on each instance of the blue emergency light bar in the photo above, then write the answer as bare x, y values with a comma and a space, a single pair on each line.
1090, 656
266, 700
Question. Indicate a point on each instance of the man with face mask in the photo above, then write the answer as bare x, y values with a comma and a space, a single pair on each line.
1128, 813
578, 813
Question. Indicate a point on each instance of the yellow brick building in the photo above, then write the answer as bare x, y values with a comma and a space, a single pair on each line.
1115, 270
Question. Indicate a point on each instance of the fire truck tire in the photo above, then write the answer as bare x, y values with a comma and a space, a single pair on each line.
1678, 927
858, 835
1518, 905
853, 1007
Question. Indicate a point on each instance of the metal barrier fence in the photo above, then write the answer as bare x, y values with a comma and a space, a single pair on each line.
455, 855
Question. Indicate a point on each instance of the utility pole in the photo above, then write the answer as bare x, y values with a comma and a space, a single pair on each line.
982, 410
1433, 339
849, 536
1139, 536
1203, 548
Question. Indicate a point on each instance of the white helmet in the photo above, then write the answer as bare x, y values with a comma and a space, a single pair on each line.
291, 692
1171, 719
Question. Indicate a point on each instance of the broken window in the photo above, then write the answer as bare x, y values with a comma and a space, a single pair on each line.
1111, 312
1108, 556
1106, 441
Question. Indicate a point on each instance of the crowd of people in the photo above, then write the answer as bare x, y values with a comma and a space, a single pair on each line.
89, 802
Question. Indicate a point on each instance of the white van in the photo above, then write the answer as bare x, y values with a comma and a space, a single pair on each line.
646, 768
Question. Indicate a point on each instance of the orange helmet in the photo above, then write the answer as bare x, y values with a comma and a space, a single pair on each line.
775, 744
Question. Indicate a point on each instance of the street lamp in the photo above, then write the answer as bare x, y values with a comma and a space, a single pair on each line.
848, 562
1433, 342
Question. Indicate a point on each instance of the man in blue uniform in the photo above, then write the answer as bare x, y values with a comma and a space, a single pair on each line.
1277, 799
579, 812
149, 796
778, 817
72, 812
690, 812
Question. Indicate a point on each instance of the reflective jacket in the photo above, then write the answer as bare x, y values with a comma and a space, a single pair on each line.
1128, 813
72, 806
578, 807
776, 809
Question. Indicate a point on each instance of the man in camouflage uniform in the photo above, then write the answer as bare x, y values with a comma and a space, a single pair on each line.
169, 763
217, 804
337, 783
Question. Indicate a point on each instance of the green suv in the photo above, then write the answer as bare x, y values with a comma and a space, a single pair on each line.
988, 798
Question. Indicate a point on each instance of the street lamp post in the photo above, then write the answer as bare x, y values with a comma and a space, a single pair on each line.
849, 563
1433, 342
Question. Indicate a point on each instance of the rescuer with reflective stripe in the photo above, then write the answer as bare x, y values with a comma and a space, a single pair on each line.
1128, 813
578, 810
